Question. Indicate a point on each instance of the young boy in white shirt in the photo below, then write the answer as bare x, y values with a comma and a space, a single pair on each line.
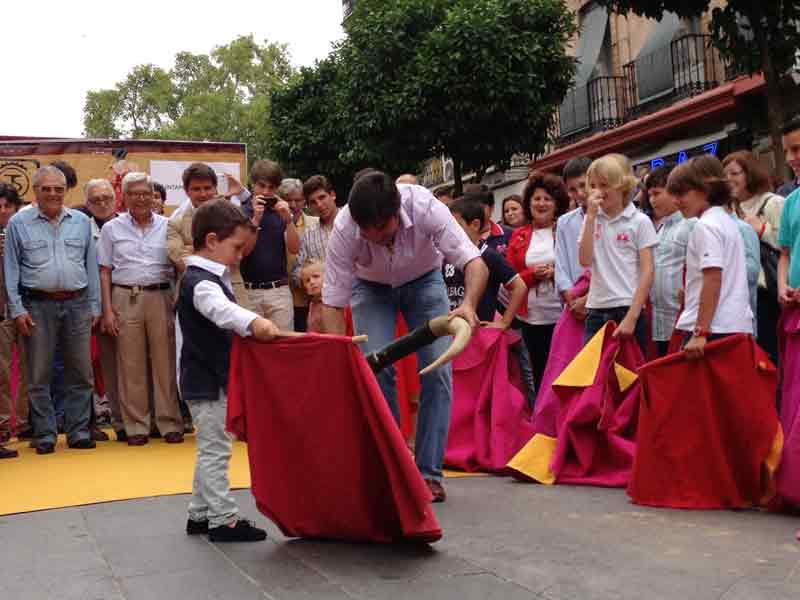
617, 243
715, 258
209, 316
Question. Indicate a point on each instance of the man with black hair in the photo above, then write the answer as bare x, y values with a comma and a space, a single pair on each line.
568, 230
384, 255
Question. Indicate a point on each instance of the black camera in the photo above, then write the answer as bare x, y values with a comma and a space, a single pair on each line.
267, 202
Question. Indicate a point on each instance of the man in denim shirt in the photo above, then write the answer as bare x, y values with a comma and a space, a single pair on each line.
53, 290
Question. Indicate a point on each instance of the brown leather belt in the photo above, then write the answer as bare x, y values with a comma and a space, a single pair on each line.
58, 296
267, 285
144, 288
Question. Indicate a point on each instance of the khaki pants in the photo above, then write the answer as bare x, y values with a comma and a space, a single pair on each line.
147, 332
9, 338
108, 363
276, 305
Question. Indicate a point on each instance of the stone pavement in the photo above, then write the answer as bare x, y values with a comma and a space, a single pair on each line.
503, 540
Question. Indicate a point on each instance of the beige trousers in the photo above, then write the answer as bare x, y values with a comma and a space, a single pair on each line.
8, 339
276, 305
147, 334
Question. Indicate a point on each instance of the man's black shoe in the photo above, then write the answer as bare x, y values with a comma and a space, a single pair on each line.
84, 444
196, 527
8, 452
26, 434
243, 531
45, 448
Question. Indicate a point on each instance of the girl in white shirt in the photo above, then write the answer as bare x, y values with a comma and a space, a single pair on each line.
715, 259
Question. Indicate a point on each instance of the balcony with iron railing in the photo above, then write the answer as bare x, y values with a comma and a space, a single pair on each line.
688, 66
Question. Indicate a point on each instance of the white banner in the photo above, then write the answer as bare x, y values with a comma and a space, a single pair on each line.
169, 174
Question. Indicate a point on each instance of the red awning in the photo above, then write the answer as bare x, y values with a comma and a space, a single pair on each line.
717, 103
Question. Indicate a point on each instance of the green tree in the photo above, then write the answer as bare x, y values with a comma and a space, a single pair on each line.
754, 36
221, 96
478, 80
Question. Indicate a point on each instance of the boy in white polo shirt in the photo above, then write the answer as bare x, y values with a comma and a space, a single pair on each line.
617, 243
715, 259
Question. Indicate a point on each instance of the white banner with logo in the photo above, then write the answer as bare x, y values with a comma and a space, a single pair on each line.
169, 174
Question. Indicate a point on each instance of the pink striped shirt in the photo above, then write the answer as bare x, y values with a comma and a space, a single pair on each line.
427, 231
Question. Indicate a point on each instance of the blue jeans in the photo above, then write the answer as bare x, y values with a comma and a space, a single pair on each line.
597, 317
68, 324
375, 309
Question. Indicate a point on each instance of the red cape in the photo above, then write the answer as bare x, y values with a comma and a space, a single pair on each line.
326, 457
708, 431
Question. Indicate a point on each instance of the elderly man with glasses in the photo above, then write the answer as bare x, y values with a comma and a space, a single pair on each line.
52, 283
136, 278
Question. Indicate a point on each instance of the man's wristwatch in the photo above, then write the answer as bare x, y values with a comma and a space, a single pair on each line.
702, 332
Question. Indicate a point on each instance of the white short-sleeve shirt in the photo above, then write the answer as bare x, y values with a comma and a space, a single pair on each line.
717, 243
615, 268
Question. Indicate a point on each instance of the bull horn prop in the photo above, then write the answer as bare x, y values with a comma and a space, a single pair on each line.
423, 336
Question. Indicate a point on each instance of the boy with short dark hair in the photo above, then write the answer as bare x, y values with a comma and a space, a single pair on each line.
471, 216
209, 316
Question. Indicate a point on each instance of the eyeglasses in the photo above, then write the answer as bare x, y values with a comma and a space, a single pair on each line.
139, 195
52, 189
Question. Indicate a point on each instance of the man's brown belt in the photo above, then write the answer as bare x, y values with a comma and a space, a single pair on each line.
144, 288
59, 296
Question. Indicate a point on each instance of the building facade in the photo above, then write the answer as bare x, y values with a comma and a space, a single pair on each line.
655, 91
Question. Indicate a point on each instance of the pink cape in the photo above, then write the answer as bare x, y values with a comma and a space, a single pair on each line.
488, 409
326, 457
567, 342
788, 476
599, 398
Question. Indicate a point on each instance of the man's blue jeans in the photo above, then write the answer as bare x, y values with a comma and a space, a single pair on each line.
68, 324
375, 308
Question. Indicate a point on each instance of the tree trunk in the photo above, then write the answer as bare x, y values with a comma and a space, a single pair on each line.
458, 187
775, 112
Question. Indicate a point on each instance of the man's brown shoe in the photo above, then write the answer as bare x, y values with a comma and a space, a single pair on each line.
174, 437
137, 440
98, 435
437, 490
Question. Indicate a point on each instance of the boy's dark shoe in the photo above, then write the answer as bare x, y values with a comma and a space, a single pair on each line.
243, 531
174, 437
122, 435
137, 440
196, 527
8, 453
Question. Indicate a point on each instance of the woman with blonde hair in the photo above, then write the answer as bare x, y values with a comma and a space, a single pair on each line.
616, 242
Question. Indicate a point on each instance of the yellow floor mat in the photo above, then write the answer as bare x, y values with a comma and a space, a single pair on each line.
113, 471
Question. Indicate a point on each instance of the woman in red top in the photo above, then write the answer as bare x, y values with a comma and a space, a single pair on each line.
532, 253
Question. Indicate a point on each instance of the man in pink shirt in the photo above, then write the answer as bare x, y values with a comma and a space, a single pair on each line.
384, 255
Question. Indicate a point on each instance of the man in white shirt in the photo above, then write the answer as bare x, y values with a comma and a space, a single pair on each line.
136, 278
